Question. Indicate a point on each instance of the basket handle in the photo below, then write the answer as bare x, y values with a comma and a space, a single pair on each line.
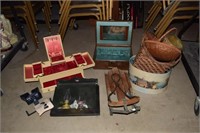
166, 33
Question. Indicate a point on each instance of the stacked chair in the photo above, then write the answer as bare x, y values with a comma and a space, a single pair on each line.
173, 10
107, 7
27, 10
69, 10
180, 10
152, 14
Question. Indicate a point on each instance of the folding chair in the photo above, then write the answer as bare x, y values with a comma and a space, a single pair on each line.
26, 10
180, 10
74, 9
158, 7
152, 14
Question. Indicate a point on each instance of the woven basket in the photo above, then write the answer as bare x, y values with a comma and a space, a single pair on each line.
161, 51
151, 62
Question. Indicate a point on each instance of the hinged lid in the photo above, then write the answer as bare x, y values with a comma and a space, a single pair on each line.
76, 97
117, 33
54, 48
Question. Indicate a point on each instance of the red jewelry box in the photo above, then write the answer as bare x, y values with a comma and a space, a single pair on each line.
58, 67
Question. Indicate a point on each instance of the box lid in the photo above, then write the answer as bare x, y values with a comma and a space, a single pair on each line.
84, 92
117, 33
54, 48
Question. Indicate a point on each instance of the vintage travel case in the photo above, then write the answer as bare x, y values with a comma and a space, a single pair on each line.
76, 97
113, 44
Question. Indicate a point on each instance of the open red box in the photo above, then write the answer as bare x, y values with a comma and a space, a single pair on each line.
58, 66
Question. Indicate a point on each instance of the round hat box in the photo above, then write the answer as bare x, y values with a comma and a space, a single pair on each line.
145, 82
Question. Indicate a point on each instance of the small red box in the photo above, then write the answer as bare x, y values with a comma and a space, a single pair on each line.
37, 69
79, 59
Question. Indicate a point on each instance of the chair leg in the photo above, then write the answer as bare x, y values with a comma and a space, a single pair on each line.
63, 18
163, 28
103, 10
64, 13
64, 28
166, 16
100, 14
154, 6
111, 6
107, 10
71, 24
47, 6
46, 19
63, 23
152, 13
32, 30
64, 7
152, 18
31, 13
67, 19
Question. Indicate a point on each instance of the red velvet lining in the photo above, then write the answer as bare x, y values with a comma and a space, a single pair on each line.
57, 58
87, 59
37, 69
55, 50
79, 59
28, 72
54, 82
59, 67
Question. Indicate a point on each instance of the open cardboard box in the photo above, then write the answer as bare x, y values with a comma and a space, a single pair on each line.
58, 66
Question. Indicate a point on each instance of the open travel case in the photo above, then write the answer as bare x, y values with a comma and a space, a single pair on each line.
113, 44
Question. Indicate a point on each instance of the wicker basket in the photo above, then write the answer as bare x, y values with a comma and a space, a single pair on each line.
161, 49
149, 58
